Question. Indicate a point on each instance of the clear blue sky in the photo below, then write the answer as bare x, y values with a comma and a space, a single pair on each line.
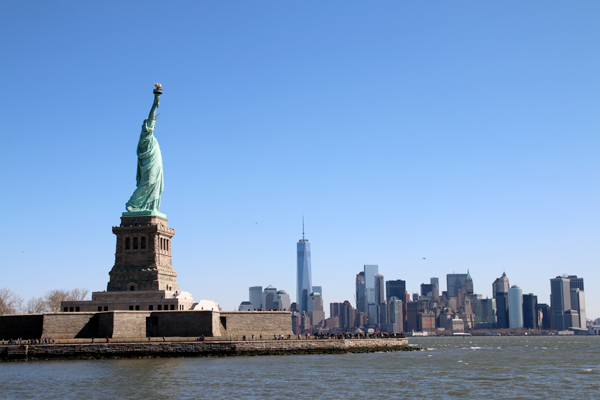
465, 132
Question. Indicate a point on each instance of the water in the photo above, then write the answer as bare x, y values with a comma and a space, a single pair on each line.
471, 367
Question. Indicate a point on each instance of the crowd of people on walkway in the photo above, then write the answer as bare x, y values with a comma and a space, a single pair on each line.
20, 341
328, 336
306, 336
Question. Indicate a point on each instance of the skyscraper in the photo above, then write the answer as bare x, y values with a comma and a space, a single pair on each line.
304, 275
485, 313
268, 299
560, 302
578, 304
455, 282
256, 296
396, 315
469, 284
426, 290
515, 307
576, 282
396, 289
315, 306
348, 316
500, 285
372, 312
379, 289
578, 298
335, 310
500, 289
530, 311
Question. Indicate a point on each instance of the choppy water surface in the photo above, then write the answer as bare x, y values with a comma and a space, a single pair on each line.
475, 367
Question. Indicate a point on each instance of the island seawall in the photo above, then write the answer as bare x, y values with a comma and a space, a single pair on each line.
201, 348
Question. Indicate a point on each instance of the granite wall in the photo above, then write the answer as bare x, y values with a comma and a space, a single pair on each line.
265, 323
70, 325
138, 324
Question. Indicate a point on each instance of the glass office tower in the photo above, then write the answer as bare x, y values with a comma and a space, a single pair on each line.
370, 272
455, 282
515, 307
256, 297
304, 280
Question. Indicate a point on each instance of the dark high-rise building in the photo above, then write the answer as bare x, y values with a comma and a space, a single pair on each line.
347, 316
427, 289
455, 282
572, 319
412, 323
382, 318
560, 301
530, 311
335, 310
379, 289
502, 310
500, 289
485, 313
395, 288
576, 283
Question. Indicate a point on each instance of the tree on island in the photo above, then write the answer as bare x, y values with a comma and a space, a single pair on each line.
11, 303
53, 298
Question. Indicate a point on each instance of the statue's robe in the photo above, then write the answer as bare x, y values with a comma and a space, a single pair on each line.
149, 177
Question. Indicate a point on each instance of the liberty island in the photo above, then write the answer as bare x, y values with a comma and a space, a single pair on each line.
143, 300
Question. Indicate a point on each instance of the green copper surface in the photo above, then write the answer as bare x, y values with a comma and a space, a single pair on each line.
149, 178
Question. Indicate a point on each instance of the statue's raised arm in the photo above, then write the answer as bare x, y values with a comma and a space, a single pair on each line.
157, 92
145, 200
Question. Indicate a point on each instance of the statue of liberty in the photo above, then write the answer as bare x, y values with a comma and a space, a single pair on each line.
145, 200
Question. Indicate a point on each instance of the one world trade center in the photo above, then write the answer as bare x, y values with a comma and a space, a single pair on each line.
304, 280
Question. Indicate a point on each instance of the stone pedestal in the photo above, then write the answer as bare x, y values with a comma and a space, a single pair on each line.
143, 278
143, 255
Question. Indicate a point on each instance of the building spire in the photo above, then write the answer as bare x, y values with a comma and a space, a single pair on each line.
303, 227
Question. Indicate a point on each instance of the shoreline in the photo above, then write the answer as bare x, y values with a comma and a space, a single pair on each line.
89, 351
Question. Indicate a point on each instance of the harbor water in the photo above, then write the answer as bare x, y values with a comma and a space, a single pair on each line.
517, 367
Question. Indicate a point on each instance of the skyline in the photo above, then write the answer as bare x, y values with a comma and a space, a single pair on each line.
465, 134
